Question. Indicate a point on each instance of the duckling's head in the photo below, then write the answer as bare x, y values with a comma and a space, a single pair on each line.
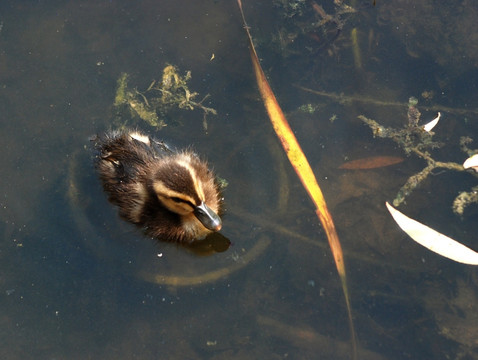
185, 186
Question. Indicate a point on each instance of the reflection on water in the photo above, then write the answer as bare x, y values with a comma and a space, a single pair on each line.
78, 282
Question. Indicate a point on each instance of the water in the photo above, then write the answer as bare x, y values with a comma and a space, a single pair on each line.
77, 282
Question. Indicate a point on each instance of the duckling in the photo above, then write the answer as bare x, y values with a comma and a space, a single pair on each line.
172, 195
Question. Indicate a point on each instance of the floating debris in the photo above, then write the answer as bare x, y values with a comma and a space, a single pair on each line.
372, 162
433, 240
429, 126
303, 170
356, 49
471, 162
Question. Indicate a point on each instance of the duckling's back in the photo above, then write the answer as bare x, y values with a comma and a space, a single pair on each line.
122, 161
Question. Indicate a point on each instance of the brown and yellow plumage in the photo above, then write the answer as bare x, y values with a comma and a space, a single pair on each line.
172, 195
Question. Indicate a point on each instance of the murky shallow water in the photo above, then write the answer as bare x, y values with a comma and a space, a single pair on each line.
75, 288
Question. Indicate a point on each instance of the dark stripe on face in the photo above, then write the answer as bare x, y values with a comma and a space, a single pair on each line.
179, 179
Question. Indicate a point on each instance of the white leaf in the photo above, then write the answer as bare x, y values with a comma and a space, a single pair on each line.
471, 162
429, 126
433, 240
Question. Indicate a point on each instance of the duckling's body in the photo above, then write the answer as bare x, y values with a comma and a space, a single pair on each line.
173, 196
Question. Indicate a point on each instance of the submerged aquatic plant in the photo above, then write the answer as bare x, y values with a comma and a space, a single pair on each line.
418, 139
306, 27
161, 97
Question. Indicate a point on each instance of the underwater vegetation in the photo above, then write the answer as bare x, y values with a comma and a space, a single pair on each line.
417, 139
155, 104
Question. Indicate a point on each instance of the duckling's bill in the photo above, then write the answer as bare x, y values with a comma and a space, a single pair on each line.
208, 217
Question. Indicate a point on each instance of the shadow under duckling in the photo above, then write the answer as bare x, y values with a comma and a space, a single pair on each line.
172, 196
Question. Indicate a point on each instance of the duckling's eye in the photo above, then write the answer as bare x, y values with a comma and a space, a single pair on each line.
179, 200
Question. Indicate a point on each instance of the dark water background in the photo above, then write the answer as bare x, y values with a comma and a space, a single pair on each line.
73, 283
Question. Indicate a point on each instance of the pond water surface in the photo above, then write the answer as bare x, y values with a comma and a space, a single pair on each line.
78, 283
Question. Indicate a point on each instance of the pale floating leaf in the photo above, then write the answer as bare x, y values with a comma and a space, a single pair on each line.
429, 126
433, 240
471, 162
